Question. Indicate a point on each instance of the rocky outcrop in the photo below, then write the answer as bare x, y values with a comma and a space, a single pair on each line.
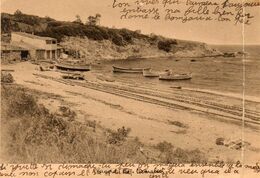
140, 48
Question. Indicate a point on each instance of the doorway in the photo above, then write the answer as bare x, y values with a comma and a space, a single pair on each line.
24, 55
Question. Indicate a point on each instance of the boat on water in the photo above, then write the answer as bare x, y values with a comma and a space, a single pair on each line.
175, 76
73, 67
128, 70
229, 54
150, 73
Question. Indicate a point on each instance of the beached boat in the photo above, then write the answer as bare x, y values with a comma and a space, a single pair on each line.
175, 77
72, 75
73, 67
128, 70
150, 73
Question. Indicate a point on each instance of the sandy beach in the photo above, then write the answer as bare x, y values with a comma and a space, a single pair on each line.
152, 113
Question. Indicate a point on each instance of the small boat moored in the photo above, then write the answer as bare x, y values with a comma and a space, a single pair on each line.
150, 73
175, 77
128, 70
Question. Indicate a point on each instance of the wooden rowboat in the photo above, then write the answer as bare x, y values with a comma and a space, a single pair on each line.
175, 77
72, 75
73, 67
150, 73
128, 70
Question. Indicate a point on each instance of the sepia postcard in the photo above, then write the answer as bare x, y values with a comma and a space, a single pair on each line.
130, 88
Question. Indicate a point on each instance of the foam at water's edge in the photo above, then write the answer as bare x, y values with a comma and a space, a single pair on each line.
234, 95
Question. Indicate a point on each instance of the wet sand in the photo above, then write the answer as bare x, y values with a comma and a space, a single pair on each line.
152, 112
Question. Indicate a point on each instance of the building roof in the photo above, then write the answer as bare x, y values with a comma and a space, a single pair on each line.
11, 47
33, 36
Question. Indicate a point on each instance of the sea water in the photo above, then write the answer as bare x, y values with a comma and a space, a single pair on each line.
216, 74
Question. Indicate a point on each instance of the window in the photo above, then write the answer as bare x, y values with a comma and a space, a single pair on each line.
6, 51
51, 41
48, 41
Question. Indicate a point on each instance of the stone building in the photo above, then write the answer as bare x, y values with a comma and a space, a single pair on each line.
38, 47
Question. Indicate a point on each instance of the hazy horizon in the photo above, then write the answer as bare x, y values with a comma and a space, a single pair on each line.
212, 32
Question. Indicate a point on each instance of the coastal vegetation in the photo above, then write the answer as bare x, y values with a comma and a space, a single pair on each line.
46, 26
31, 133
109, 43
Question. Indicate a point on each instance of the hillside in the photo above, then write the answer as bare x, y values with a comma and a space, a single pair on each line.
97, 42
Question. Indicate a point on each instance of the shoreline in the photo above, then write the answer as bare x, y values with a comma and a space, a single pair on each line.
250, 98
162, 57
167, 57
147, 110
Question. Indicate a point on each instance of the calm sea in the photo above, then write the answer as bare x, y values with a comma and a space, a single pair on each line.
214, 74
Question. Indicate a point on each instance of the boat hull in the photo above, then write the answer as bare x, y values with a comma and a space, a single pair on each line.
175, 77
128, 70
150, 75
68, 67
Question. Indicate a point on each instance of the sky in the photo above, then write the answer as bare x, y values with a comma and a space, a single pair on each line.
209, 32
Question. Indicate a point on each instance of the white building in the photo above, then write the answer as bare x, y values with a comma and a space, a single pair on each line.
38, 47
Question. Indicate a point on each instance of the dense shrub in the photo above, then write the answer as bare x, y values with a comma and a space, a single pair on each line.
117, 137
7, 25
6, 77
19, 102
127, 35
118, 40
186, 156
32, 134
166, 45
164, 146
27, 19
59, 29
179, 155
53, 24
